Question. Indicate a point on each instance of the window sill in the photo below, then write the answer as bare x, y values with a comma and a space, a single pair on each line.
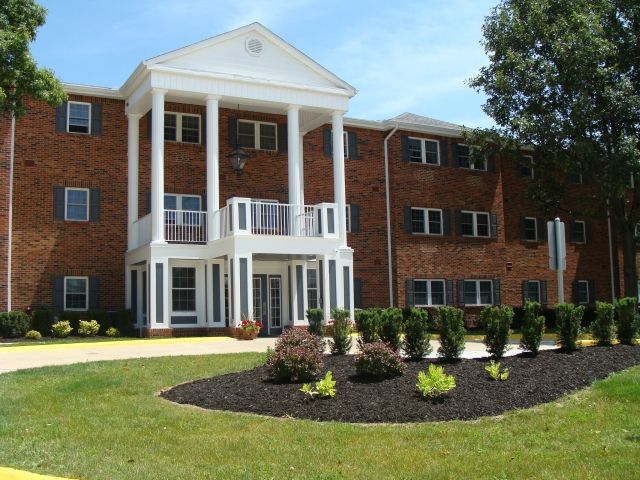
426, 164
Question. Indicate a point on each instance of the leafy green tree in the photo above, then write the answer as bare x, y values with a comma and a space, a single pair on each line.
564, 79
20, 76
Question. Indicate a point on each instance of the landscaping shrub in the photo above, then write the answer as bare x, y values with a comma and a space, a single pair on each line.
416, 334
73, 318
628, 323
102, 317
61, 329
297, 356
368, 323
379, 360
391, 327
325, 388
494, 372
112, 332
435, 382
88, 328
123, 320
532, 327
33, 335
603, 327
450, 322
568, 320
315, 316
41, 320
14, 324
342, 328
496, 322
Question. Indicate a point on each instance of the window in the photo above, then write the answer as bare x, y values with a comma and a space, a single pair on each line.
345, 142
186, 203
526, 166
79, 117
464, 160
582, 292
76, 204
312, 288
183, 289
532, 291
258, 135
348, 217
424, 151
576, 176
426, 220
477, 292
579, 232
76, 293
530, 229
428, 293
474, 224
181, 127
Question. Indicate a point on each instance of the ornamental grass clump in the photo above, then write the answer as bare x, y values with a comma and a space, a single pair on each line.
416, 334
368, 323
88, 328
496, 322
532, 327
391, 328
297, 356
628, 321
568, 321
435, 383
450, 321
378, 360
603, 327
61, 329
342, 327
315, 316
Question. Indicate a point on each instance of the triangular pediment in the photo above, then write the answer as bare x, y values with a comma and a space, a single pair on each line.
252, 52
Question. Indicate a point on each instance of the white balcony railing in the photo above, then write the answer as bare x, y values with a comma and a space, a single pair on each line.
282, 219
185, 226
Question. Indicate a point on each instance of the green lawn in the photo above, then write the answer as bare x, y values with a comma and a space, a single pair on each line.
103, 421
21, 342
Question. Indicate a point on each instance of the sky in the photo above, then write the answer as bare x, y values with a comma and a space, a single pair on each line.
401, 56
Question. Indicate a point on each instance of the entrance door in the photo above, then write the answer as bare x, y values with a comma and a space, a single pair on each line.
275, 304
267, 303
261, 303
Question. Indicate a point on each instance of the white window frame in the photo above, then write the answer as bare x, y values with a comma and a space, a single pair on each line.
66, 203
256, 134
584, 282
477, 282
423, 150
475, 223
584, 232
179, 116
179, 219
348, 217
529, 166
345, 143
425, 217
86, 293
195, 290
537, 282
316, 288
472, 165
535, 229
88, 132
429, 290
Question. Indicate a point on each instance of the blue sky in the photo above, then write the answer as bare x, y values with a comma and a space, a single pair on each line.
402, 56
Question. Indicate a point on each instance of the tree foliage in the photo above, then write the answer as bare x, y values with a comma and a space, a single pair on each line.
20, 76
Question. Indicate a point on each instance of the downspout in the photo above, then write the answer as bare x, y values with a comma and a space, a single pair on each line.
388, 202
611, 269
10, 213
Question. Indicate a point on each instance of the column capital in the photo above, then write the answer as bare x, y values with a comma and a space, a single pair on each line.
158, 91
338, 113
134, 116
212, 97
293, 107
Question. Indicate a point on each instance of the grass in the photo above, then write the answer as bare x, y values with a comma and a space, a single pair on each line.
103, 421
21, 342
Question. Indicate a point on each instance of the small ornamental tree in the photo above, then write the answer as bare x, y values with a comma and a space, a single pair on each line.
568, 321
603, 327
532, 327
342, 328
391, 327
628, 321
315, 317
450, 322
496, 322
416, 334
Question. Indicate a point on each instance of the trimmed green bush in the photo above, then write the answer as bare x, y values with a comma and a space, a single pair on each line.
33, 335
61, 329
603, 327
341, 331
315, 316
73, 318
416, 334
112, 332
628, 323
88, 328
391, 327
532, 327
568, 320
297, 356
450, 321
124, 320
378, 360
368, 323
41, 320
14, 324
496, 322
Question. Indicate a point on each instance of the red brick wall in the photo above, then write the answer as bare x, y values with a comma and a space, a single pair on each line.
5, 139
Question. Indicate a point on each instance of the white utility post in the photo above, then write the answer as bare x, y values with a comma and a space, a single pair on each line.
557, 253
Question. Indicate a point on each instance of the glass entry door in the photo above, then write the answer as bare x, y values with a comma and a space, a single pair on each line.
267, 303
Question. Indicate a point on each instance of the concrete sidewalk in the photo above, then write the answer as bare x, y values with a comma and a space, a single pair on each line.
33, 356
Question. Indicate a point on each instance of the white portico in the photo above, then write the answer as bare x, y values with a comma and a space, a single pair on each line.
211, 266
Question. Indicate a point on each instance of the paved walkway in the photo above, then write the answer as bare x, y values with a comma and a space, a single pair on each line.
32, 356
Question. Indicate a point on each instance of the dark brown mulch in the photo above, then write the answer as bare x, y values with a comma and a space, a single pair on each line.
532, 380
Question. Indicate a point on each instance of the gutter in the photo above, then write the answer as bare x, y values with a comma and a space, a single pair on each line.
388, 205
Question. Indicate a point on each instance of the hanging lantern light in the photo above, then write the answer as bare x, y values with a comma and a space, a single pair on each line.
238, 156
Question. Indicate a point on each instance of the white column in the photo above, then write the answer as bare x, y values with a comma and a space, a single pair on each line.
339, 195
157, 166
133, 155
301, 169
213, 153
293, 147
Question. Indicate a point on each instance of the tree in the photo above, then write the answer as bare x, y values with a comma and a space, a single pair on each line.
564, 79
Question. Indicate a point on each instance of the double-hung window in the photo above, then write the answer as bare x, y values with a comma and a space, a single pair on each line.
76, 293
181, 127
583, 296
76, 204
477, 292
257, 135
79, 117
464, 159
526, 166
579, 231
312, 288
426, 220
532, 291
530, 229
428, 293
422, 150
183, 289
475, 224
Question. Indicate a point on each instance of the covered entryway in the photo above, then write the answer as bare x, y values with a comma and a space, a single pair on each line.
267, 303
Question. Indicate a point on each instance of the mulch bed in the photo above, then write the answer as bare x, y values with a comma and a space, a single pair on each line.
532, 381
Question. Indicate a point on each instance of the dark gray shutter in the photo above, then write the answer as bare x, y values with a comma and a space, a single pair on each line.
326, 142
355, 218
574, 291
353, 145
357, 293
94, 293
449, 291
408, 223
283, 137
96, 119
446, 222
203, 129
61, 118
203, 203
592, 291
149, 126
410, 292
147, 203
587, 231
444, 153
456, 162
494, 225
497, 297
542, 229
524, 291
58, 294
543, 292
94, 204
58, 203
404, 143
461, 293
233, 131
523, 222
491, 161
572, 231
459, 223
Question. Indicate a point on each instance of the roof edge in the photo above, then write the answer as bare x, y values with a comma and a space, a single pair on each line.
92, 90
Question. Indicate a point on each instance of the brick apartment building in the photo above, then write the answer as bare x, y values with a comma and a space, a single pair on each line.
136, 197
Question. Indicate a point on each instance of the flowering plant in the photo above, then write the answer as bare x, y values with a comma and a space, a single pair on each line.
249, 325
